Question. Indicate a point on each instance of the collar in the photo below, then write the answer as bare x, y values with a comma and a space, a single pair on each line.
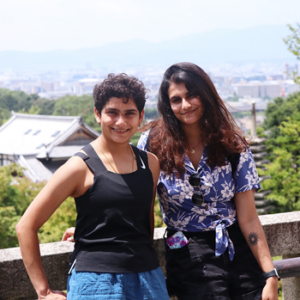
188, 164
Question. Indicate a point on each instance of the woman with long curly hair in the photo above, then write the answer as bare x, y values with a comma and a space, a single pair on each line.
114, 186
215, 244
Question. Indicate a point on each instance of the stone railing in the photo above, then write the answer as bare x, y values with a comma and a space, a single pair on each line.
282, 233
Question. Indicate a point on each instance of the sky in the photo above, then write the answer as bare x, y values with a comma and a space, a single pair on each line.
46, 25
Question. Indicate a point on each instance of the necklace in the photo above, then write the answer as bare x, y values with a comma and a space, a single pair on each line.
193, 149
133, 158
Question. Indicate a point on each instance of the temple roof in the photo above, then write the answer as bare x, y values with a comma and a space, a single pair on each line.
25, 134
41, 144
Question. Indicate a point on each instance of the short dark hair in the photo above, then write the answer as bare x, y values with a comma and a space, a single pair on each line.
120, 86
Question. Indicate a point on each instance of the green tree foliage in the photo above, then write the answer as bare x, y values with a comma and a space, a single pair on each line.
16, 193
46, 106
77, 106
24, 103
33, 110
134, 140
293, 43
64, 217
282, 124
4, 115
158, 220
16, 100
278, 111
151, 113
8, 221
284, 168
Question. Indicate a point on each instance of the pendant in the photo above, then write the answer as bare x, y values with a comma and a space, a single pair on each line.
193, 151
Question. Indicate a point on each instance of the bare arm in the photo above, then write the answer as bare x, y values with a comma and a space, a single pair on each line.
155, 169
253, 232
64, 183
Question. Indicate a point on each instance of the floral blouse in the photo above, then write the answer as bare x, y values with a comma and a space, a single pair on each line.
218, 186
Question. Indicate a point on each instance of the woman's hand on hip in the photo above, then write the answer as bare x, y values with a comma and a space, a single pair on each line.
69, 235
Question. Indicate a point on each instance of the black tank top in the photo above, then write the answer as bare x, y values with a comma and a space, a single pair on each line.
113, 231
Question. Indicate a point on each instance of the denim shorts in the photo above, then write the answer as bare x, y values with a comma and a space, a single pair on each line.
149, 285
195, 273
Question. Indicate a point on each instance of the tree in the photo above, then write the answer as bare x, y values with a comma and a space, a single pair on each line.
151, 113
278, 111
4, 115
282, 123
77, 106
63, 218
16, 193
293, 43
24, 103
283, 126
15, 100
34, 110
285, 167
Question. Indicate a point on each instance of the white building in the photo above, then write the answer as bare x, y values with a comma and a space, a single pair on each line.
259, 89
41, 144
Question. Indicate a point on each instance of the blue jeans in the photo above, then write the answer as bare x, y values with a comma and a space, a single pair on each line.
128, 286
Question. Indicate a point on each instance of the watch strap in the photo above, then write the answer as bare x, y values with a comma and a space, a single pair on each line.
271, 274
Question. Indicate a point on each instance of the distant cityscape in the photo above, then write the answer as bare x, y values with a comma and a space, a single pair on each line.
234, 83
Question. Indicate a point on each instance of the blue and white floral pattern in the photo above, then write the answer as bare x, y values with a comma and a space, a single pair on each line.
218, 186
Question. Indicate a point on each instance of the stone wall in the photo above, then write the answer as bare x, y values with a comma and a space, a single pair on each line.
282, 232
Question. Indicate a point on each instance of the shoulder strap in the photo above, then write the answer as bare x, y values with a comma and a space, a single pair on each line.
141, 158
91, 158
82, 155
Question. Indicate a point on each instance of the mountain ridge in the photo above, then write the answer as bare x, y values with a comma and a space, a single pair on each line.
256, 44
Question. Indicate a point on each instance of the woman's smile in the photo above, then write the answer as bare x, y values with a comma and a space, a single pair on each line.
187, 108
120, 131
119, 120
189, 112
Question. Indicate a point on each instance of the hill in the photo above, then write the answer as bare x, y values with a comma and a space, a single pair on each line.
256, 44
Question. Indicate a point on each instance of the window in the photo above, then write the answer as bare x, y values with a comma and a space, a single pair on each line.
40, 146
37, 132
27, 131
55, 133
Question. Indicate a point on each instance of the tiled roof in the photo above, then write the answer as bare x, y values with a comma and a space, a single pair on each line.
64, 151
34, 169
25, 134
37, 142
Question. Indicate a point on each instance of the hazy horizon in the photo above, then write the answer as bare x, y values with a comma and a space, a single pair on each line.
41, 25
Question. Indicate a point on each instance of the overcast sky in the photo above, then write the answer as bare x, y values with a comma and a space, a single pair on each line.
42, 25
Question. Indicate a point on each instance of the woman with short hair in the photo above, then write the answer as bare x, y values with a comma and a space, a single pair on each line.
114, 186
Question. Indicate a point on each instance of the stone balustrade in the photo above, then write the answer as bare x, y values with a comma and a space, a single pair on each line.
282, 233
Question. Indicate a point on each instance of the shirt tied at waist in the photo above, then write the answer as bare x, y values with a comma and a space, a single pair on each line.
223, 240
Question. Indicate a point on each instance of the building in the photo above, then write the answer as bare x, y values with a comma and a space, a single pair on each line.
258, 89
41, 144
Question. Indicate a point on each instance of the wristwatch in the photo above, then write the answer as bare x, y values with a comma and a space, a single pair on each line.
271, 274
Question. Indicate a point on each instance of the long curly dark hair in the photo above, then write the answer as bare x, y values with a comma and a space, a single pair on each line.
167, 138
120, 86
